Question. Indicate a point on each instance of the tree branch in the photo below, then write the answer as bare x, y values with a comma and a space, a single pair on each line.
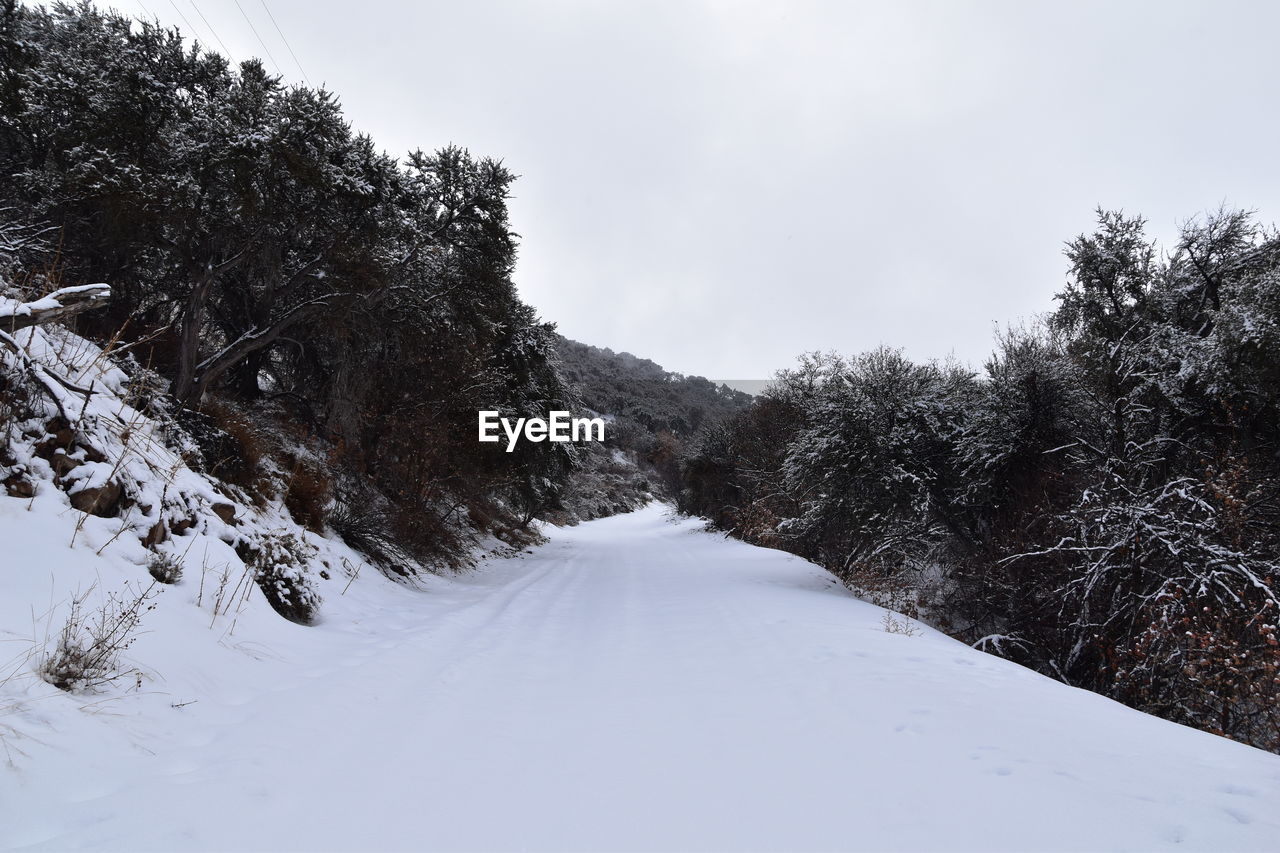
59, 305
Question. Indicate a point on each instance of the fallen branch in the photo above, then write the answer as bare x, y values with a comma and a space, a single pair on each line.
58, 305
62, 303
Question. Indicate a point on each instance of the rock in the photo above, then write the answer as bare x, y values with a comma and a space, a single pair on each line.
157, 534
181, 525
63, 464
226, 512
101, 500
19, 486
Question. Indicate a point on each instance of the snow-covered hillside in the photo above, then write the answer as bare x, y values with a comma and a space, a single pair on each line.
635, 684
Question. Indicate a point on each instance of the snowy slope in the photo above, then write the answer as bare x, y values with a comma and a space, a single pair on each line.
636, 684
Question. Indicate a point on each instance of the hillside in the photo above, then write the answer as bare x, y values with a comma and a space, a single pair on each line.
653, 415
643, 397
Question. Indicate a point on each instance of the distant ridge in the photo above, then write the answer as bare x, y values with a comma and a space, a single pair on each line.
754, 387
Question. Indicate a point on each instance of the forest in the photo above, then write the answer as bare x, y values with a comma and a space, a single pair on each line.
1100, 503
281, 278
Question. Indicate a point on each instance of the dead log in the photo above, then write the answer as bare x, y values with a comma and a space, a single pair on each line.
59, 305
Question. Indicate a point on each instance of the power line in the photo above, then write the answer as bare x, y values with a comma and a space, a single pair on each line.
265, 49
286, 42
190, 28
225, 52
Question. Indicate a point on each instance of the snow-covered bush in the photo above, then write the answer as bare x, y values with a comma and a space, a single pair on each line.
606, 481
86, 654
279, 564
165, 568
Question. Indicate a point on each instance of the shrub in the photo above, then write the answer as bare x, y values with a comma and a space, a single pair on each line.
165, 568
87, 654
366, 528
232, 447
280, 568
309, 495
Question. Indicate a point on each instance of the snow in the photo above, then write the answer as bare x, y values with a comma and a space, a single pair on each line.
635, 684
10, 307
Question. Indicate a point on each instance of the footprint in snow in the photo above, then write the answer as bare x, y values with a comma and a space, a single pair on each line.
1238, 790
1239, 816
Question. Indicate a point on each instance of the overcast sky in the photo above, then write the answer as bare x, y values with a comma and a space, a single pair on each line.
721, 186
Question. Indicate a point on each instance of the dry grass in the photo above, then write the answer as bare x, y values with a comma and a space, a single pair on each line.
308, 495
87, 654
237, 458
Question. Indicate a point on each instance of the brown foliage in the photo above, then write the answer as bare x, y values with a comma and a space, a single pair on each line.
238, 458
309, 495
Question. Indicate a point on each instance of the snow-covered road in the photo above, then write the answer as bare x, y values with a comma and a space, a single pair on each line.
635, 684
